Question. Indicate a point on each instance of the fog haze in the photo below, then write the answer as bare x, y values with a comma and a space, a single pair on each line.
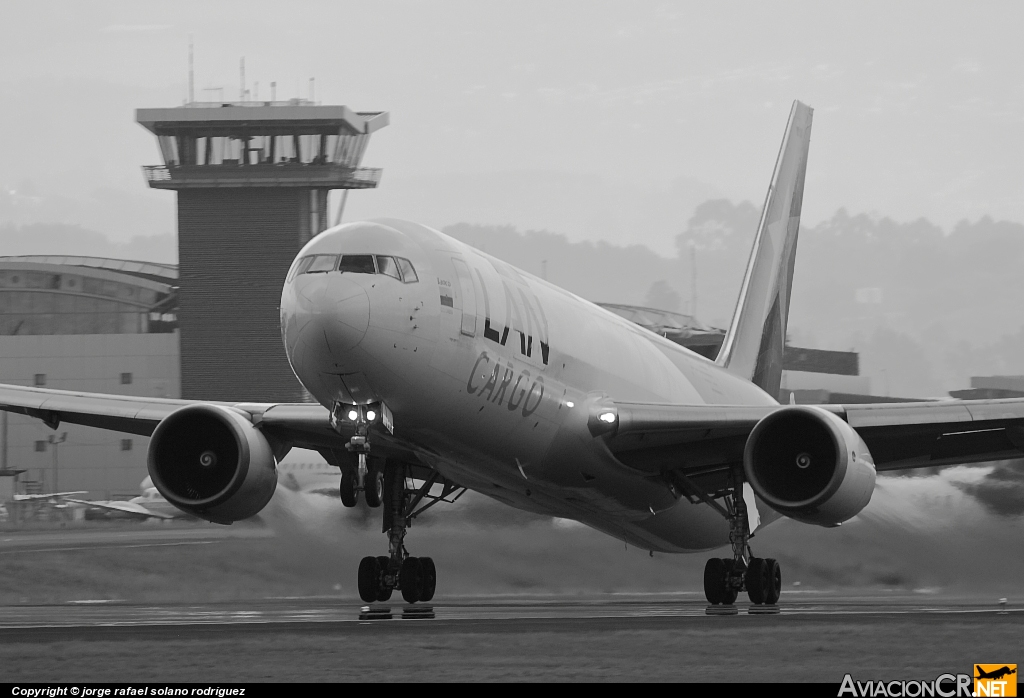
638, 111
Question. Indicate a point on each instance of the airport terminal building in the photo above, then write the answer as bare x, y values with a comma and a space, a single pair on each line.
90, 324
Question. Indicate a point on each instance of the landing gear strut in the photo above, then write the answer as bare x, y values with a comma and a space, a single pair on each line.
391, 486
725, 578
367, 476
415, 577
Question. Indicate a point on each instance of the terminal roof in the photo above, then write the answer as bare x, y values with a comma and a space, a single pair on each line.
154, 271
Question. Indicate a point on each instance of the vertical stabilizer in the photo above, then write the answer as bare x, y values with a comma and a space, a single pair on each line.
753, 346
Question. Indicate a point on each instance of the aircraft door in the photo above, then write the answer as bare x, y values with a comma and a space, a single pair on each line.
468, 294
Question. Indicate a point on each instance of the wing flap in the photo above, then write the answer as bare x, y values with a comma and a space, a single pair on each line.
907, 413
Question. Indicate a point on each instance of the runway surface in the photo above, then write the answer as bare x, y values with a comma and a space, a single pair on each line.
88, 617
81, 595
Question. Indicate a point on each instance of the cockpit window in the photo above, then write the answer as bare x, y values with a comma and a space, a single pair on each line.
322, 263
387, 266
299, 267
408, 272
358, 264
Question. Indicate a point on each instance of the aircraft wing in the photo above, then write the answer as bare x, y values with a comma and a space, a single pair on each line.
300, 425
126, 507
705, 439
127, 413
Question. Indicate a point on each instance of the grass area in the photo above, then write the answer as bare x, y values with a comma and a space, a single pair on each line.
314, 549
212, 570
691, 649
917, 534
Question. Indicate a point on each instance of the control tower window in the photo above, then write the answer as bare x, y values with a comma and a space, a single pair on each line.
408, 272
322, 263
358, 264
387, 266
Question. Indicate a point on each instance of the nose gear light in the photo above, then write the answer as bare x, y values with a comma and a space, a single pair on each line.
344, 416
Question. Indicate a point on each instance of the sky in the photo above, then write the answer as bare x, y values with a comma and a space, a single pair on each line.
919, 106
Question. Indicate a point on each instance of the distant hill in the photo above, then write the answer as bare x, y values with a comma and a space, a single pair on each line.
596, 271
622, 208
925, 307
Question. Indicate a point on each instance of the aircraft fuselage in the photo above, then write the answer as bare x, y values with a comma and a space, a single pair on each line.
490, 374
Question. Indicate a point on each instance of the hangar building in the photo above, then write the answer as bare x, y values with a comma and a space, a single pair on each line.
90, 324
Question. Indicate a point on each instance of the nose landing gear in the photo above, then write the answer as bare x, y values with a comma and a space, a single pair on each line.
364, 476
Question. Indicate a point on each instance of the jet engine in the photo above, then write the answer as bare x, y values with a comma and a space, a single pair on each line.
810, 465
210, 461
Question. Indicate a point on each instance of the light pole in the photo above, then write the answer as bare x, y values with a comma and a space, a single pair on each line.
55, 442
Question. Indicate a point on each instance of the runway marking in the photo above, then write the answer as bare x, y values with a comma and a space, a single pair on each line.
106, 616
101, 547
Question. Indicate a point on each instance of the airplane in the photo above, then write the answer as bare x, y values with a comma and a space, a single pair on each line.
149, 504
437, 368
299, 477
45, 496
995, 674
309, 478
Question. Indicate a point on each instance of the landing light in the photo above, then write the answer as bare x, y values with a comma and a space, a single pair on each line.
607, 417
353, 415
570, 404
370, 415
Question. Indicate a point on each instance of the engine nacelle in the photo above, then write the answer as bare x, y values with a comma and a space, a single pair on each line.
210, 461
810, 465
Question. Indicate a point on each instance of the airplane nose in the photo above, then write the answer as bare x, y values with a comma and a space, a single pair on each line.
343, 313
329, 317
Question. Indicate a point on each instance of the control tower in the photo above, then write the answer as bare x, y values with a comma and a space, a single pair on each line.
252, 181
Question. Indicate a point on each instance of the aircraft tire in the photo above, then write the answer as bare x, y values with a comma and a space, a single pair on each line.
383, 590
730, 594
429, 578
410, 579
774, 578
369, 579
374, 491
714, 581
349, 495
757, 580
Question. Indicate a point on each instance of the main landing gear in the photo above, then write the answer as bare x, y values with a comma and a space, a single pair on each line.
725, 578
391, 486
415, 577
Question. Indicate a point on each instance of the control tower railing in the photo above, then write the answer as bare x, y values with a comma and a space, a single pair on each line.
330, 176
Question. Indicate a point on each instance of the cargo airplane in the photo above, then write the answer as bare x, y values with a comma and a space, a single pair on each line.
150, 504
437, 368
